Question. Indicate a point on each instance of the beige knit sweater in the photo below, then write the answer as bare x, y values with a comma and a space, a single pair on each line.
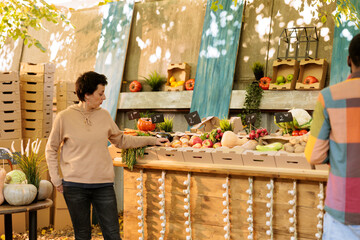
82, 139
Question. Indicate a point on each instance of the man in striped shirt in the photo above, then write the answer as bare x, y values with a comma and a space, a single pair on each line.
335, 139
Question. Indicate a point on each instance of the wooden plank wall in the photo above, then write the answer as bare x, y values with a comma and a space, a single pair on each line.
111, 55
342, 37
206, 200
217, 58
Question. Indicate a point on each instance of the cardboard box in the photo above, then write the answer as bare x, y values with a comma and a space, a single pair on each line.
10, 115
37, 67
13, 85
150, 154
28, 132
206, 125
10, 124
237, 124
259, 159
36, 95
228, 156
10, 95
9, 105
181, 72
36, 123
36, 104
291, 160
284, 68
10, 134
63, 105
37, 86
9, 76
312, 67
64, 87
170, 154
66, 96
198, 155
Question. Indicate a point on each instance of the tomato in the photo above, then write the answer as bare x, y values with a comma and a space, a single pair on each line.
295, 133
135, 86
264, 83
145, 124
310, 80
189, 84
302, 132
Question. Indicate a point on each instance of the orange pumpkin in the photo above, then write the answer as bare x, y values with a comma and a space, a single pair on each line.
145, 124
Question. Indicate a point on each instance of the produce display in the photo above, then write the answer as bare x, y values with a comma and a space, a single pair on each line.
280, 80
301, 121
310, 80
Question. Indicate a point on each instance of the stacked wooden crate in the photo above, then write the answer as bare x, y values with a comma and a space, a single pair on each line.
10, 115
37, 87
65, 95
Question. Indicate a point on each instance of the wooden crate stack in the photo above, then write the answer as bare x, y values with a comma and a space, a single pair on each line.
65, 95
37, 87
10, 115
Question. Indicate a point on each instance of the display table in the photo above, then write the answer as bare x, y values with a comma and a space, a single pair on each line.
239, 202
8, 210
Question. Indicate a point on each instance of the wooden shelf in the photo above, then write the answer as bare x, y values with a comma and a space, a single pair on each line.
298, 174
278, 100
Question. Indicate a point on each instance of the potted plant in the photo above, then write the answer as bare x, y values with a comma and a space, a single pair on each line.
167, 125
155, 81
258, 70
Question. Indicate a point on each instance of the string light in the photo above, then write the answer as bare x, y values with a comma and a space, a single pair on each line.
270, 205
140, 202
320, 216
250, 209
162, 204
226, 210
292, 212
187, 213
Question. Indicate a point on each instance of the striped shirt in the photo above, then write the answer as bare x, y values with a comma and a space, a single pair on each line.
335, 139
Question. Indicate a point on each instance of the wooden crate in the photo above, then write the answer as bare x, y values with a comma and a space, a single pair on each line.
12, 85
36, 95
9, 95
197, 155
37, 86
150, 154
6, 134
312, 67
291, 160
37, 67
10, 124
259, 159
170, 154
10, 115
36, 104
284, 68
9, 76
181, 72
227, 156
6, 105
46, 115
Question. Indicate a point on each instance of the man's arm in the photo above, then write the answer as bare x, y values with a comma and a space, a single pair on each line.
317, 147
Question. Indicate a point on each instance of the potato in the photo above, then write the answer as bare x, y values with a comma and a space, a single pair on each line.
303, 143
289, 149
294, 141
299, 149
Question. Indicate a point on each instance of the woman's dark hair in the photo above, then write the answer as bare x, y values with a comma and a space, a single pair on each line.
87, 84
354, 50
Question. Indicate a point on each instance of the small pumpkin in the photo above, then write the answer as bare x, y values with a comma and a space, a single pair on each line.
145, 124
2, 182
45, 190
19, 194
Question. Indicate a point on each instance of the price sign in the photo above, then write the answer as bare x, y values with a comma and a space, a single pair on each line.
283, 117
133, 115
157, 118
250, 119
192, 118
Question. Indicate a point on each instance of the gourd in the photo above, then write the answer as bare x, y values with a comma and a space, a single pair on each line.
230, 139
45, 190
145, 124
19, 194
2, 182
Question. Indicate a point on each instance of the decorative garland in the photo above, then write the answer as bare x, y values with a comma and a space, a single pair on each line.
270, 205
292, 211
226, 210
320, 216
187, 213
250, 209
141, 205
162, 204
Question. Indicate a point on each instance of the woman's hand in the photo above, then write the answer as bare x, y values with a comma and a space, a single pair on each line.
161, 141
60, 188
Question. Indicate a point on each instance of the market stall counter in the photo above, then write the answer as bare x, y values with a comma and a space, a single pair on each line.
192, 200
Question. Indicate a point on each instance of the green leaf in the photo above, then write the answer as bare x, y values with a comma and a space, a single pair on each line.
38, 45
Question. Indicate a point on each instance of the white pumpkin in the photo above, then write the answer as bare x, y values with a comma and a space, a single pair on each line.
19, 194
45, 190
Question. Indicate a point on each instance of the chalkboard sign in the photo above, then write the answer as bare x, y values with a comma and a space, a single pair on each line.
192, 118
133, 115
283, 117
157, 118
250, 119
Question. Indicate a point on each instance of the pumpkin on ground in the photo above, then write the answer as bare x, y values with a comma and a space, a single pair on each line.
19, 194
145, 124
45, 190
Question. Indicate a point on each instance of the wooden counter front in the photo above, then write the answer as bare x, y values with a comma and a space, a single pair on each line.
207, 200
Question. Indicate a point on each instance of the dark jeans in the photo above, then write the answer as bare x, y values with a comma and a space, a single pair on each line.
103, 201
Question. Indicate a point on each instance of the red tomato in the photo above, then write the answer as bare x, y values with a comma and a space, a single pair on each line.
310, 80
295, 133
302, 132
135, 86
264, 83
189, 84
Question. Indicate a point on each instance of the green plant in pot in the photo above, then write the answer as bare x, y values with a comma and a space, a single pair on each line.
167, 125
155, 81
258, 70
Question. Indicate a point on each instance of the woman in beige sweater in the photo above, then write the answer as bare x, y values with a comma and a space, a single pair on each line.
81, 134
